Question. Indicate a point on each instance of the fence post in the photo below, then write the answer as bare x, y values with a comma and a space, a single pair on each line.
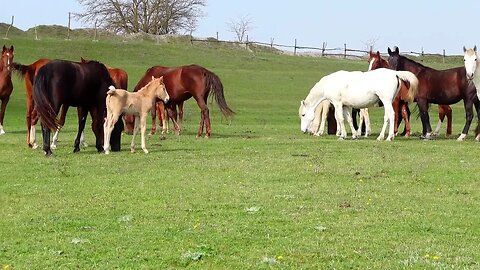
271, 43
444, 56
217, 35
324, 45
345, 51
246, 44
423, 54
68, 29
295, 48
8, 29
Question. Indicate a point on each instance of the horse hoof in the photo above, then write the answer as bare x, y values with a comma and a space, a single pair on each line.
340, 139
2, 132
107, 152
145, 151
53, 146
85, 144
34, 146
132, 150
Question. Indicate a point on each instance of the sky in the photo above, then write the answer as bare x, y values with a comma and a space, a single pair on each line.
409, 24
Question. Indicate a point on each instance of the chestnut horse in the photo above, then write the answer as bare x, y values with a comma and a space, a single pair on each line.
6, 86
65, 83
400, 105
439, 87
183, 83
28, 72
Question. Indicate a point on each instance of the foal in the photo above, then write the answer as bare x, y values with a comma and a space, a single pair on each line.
139, 104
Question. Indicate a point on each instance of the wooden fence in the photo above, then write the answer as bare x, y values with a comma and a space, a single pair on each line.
343, 52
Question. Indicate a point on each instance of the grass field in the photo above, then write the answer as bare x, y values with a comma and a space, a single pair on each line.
258, 194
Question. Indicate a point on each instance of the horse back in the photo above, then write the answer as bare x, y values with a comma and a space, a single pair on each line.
443, 86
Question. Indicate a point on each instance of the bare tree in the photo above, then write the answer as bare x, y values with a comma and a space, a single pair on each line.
370, 44
149, 16
240, 27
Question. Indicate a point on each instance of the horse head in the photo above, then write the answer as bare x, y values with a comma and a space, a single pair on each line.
160, 89
470, 61
307, 115
394, 58
374, 60
7, 57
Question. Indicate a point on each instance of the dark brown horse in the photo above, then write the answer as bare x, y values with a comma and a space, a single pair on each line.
65, 83
400, 105
439, 87
183, 83
6, 86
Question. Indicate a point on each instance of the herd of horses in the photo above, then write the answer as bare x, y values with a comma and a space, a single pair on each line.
424, 85
52, 86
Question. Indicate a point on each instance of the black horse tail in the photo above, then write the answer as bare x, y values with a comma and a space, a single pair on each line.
212, 82
43, 101
21, 70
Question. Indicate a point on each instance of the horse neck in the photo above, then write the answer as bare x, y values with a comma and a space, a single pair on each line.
476, 75
148, 91
412, 66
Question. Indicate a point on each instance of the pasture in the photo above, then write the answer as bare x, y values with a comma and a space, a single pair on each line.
258, 194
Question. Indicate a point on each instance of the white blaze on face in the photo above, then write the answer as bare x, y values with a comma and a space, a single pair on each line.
370, 65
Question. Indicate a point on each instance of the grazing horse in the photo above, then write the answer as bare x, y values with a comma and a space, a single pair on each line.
439, 87
183, 83
120, 81
400, 105
360, 90
138, 103
6, 86
28, 73
65, 83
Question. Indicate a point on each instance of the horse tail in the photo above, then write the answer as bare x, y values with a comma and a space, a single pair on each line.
111, 90
42, 96
410, 79
213, 82
19, 69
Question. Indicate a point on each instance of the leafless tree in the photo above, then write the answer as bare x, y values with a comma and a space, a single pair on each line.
240, 27
149, 16
370, 44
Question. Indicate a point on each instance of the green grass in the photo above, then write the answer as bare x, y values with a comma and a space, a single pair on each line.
258, 194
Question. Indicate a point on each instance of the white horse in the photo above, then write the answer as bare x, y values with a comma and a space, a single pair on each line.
470, 60
321, 113
357, 89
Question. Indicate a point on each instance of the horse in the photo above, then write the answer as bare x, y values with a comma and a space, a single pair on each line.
400, 106
321, 112
28, 73
470, 60
120, 80
67, 83
357, 89
138, 103
6, 85
439, 87
183, 83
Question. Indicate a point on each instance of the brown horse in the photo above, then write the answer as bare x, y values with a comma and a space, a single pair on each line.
6, 85
28, 72
183, 83
400, 105
439, 87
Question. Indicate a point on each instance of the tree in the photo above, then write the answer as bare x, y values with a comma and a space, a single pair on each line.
240, 27
149, 16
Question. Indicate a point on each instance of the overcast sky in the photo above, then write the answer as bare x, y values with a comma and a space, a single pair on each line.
411, 25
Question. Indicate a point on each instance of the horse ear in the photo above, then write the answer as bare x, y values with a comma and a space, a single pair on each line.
11, 48
4, 48
475, 48
378, 54
161, 78
464, 49
397, 51
302, 102
389, 51
153, 78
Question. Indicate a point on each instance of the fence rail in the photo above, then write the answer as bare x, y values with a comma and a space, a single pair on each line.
344, 52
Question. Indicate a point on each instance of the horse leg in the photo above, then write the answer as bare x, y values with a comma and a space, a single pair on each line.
143, 127
426, 128
476, 103
180, 113
156, 108
406, 117
368, 127
81, 126
110, 121
360, 123
46, 141
468, 104
390, 117
2, 113
441, 117
340, 121
355, 112
172, 113
448, 114
162, 117
61, 122
346, 114
33, 123
324, 117
396, 108
135, 129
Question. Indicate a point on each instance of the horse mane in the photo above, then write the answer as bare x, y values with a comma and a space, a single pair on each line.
414, 62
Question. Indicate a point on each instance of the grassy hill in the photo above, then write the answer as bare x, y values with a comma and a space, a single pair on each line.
259, 194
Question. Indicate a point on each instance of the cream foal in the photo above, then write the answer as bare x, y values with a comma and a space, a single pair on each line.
137, 103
